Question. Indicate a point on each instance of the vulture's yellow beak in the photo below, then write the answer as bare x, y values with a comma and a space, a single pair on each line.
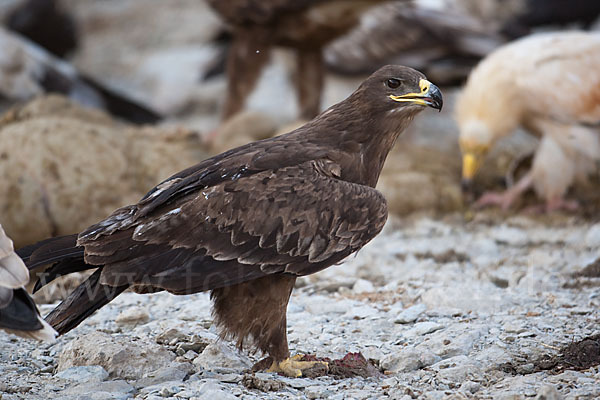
430, 96
471, 161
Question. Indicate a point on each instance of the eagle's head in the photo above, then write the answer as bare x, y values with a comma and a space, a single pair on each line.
398, 89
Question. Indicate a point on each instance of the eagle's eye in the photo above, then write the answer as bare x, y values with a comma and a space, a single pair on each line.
393, 83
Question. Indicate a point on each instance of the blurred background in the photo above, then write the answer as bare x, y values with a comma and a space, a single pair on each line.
102, 99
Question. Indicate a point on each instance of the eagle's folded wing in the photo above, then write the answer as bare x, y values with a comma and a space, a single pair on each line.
296, 219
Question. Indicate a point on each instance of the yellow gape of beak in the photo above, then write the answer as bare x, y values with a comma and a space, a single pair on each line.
430, 95
470, 166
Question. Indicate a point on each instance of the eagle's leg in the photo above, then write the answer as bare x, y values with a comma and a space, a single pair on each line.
507, 198
254, 312
247, 56
309, 82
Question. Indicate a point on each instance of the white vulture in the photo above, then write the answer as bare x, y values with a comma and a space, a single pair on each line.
548, 84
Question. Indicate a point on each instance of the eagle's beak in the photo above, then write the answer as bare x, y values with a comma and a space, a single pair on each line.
470, 166
430, 95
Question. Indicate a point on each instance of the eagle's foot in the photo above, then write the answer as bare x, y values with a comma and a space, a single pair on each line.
293, 367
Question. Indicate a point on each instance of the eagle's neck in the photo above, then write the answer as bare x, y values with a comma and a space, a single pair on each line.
360, 139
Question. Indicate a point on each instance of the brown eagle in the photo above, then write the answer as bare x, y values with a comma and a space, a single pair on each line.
246, 223
303, 25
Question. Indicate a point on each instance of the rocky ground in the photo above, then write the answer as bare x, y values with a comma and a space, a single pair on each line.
444, 308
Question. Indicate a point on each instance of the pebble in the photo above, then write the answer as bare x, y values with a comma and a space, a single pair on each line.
410, 314
592, 237
423, 328
86, 373
132, 316
118, 355
407, 360
507, 235
173, 372
363, 286
219, 355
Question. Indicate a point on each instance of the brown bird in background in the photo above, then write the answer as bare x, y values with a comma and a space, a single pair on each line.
304, 25
46, 23
246, 223
18, 312
443, 43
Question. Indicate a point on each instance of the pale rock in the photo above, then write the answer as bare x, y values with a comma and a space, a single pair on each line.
458, 369
465, 297
132, 316
317, 392
548, 392
592, 237
423, 328
214, 391
317, 304
171, 336
173, 372
410, 314
119, 355
470, 387
361, 312
445, 346
363, 286
164, 389
218, 356
86, 373
406, 360
115, 390
509, 235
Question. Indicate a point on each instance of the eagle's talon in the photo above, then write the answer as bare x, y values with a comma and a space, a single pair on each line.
293, 368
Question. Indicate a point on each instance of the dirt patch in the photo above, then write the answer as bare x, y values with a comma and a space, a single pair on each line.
576, 356
447, 256
587, 277
590, 271
583, 354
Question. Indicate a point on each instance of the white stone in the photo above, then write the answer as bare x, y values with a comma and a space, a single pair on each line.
133, 316
86, 373
363, 286
423, 328
410, 314
219, 355
509, 235
407, 360
592, 237
120, 356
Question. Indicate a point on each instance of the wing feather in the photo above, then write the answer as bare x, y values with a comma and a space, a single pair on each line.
296, 219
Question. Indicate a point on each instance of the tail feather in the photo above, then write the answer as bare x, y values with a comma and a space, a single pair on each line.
56, 250
50, 250
88, 297
26, 251
59, 269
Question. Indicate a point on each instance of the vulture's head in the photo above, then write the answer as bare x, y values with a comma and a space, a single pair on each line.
395, 89
475, 139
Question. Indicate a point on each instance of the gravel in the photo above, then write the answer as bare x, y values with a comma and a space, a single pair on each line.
449, 308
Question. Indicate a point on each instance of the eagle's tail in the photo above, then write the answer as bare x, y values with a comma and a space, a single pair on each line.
65, 257
88, 297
